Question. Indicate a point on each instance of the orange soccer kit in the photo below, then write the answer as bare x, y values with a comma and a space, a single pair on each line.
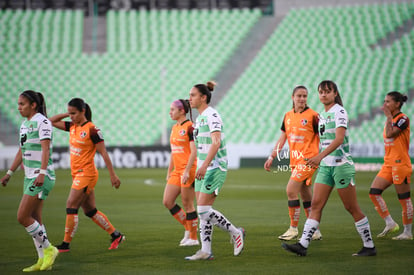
181, 136
82, 142
396, 168
302, 135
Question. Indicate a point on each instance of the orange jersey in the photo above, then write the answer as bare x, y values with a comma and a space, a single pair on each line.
82, 140
181, 136
396, 148
302, 134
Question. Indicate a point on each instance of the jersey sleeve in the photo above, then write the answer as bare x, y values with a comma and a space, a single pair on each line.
45, 129
96, 135
341, 118
190, 133
402, 123
214, 123
68, 124
315, 124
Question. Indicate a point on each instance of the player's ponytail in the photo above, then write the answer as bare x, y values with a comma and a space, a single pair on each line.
35, 97
206, 89
80, 105
329, 85
398, 97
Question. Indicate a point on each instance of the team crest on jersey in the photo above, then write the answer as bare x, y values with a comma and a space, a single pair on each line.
304, 122
182, 132
82, 134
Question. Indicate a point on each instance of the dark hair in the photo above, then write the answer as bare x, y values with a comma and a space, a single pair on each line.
331, 86
206, 89
37, 98
295, 90
187, 108
398, 97
81, 105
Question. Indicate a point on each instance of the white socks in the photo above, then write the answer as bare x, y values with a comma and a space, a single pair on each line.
38, 233
362, 226
310, 227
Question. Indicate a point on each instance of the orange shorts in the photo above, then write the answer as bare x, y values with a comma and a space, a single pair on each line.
87, 183
175, 178
302, 173
396, 174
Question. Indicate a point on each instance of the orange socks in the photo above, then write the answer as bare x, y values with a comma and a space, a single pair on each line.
72, 221
407, 211
178, 213
102, 221
379, 203
294, 212
192, 224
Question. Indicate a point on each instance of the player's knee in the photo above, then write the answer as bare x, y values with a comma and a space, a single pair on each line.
375, 191
168, 203
204, 212
91, 213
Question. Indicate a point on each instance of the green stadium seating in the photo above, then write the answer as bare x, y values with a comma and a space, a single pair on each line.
125, 87
311, 45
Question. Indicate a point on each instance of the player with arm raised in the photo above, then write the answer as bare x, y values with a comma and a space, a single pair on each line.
84, 140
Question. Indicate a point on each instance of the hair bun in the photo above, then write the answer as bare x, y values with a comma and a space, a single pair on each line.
404, 98
210, 85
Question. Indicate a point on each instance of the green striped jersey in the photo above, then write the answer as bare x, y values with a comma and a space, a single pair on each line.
206, 123
328, 122
31, 133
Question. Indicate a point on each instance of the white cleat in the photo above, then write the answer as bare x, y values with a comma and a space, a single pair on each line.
317, 235
291, 234
185, 238
389, 229
238, 241
190, 242
200, 255
403, 236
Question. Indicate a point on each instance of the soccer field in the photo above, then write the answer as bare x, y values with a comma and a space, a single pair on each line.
251, 198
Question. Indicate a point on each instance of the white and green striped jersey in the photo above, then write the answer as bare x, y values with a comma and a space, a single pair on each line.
31, 133
328, 122
206, 123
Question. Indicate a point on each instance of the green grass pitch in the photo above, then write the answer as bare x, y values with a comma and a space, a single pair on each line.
251, 198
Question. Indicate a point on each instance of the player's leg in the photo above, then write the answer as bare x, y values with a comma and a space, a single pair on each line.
344, 181
187, 197
171, 192
306, 195
322, 189
30, 207
382, 181
293, 188
402, 186
100, 219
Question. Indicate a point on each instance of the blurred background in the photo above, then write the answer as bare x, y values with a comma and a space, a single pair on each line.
129, 59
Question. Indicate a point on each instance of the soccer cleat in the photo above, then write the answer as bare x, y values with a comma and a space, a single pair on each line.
35, 267
185, 238
366, 251
403, 236
115, 242
50, 255
190, 242
296, 248
290, 234
317, 235
200, 255
238, 241
389, 229
63, 247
